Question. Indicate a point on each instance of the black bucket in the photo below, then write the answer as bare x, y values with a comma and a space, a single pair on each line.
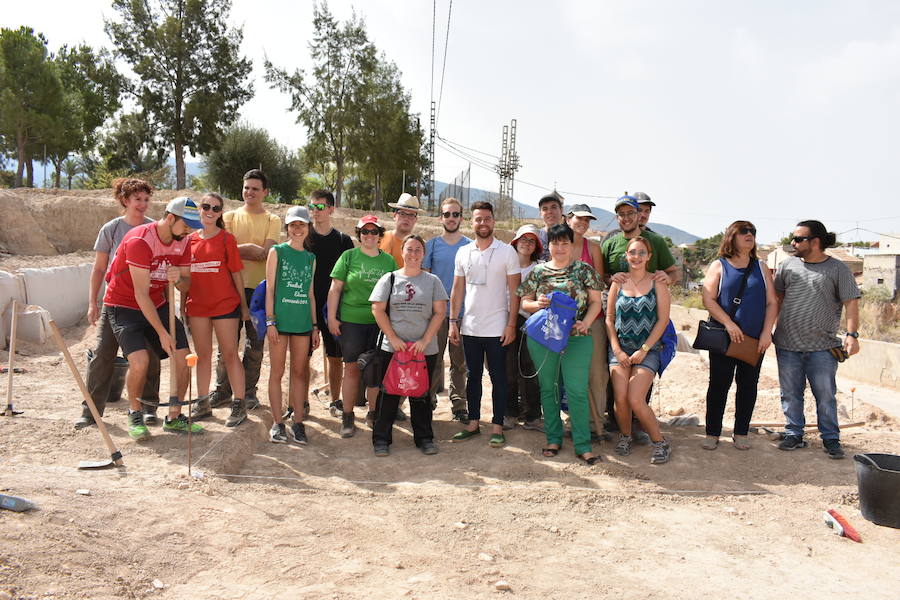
878, 478
117, 383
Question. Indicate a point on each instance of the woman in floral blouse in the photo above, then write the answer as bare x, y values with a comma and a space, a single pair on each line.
580, 281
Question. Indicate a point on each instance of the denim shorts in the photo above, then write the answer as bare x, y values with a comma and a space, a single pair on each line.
650, 362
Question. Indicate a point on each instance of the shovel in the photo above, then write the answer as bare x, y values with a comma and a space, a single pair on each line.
10, 411
115, 457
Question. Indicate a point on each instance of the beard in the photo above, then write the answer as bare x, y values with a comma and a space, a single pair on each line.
448, 230
486, 235
178, 238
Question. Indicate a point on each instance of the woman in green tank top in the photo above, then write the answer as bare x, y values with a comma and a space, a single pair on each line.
290, 306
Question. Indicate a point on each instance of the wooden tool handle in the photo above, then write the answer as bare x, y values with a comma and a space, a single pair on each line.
12, 355
173, 371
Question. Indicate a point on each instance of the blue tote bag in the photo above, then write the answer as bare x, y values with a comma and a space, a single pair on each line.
550, 326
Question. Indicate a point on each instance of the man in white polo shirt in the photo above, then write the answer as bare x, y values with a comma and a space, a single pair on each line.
486, 275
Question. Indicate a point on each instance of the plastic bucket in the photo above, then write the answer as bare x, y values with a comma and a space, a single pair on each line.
117, 382
878, 479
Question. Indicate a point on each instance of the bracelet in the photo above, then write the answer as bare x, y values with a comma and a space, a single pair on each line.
454, 320
315, 325
271, 322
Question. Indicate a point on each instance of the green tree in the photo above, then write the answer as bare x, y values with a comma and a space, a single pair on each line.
245, 147
330, 100
700, 254
31, 98
192, 78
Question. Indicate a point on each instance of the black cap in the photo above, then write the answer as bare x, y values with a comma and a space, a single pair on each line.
551, 197
643, 198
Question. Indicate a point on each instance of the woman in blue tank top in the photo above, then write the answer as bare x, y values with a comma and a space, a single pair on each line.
755, 317
636, 317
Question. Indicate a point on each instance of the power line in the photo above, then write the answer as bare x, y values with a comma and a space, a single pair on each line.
493, 156
444, 65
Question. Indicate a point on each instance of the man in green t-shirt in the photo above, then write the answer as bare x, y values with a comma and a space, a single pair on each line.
662, 262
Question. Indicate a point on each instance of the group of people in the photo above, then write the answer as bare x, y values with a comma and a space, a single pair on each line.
393, 291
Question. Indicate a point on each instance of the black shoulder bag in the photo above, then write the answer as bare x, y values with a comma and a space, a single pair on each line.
712, 335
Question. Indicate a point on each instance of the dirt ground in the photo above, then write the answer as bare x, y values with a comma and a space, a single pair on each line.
259, 520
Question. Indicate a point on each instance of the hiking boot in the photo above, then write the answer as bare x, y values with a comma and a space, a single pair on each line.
370, 419
85, 420
150, 416
238, 413
534, 425
202, 408
299, 432
278, 434
218, 399
509, 423
180, 425
661, 452
401, 416
348, 427
428, 448
462, 416
623, 447
382, 450
792, 442
252, 402
833, 448
136, 428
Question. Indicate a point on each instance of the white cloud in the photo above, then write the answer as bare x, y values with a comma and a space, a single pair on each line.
857, 64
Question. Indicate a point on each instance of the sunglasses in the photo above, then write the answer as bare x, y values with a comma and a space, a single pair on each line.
746, 230
211, 207
453, 214
637, 253
368, 231
318, 206
797, 239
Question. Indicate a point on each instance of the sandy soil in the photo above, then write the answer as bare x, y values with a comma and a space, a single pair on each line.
259, 520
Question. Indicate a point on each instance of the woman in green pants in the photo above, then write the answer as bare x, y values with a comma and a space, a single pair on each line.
580, 281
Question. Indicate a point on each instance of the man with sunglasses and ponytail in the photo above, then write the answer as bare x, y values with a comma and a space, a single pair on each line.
440, 256
327, 244
256, 230
812, 288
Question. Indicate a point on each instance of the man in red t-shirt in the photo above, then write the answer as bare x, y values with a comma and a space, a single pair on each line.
149, 258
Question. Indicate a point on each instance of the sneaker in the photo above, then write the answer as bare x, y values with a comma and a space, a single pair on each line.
623, 448
534, 425
348, 427
136, 428
833, 448
401, 416
462, 416
85, 420
336, 408
238, 413
792, 442
509, 423
202, 408
278, 434
640, 437
180, 425
252, 401
428, 448
370, 419
299, 432
382, 450
150, 416
661, 452
218, 399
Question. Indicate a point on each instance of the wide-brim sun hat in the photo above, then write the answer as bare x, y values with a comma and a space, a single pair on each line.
406, 202
581, 210
526, 229
296, 213
185, 208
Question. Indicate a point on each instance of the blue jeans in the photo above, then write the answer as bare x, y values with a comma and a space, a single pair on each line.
476, 349
819, 368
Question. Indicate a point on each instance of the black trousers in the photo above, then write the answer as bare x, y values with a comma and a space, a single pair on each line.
722, 371
387, 405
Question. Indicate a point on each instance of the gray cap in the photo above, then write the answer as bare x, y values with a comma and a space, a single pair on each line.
643, 198
581, 210
296, 213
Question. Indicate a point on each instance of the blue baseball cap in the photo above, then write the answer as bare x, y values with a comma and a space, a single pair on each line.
627, 201
185, 208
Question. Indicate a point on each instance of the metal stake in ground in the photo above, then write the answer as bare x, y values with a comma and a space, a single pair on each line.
191, 363
14, 312
115, 457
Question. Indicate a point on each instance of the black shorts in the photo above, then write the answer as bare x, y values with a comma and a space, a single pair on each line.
357, 338
134, 332
235, 314
331, 345
303, 334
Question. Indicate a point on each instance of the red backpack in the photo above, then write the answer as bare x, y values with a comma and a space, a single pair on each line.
407, 374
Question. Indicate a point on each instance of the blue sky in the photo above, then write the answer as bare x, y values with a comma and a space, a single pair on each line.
769, 111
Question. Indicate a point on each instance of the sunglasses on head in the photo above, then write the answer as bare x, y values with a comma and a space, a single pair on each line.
211, 207
746, 230
318, 206
449, 214
368, 231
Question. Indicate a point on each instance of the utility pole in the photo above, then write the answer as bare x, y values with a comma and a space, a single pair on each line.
506, 168
431, 159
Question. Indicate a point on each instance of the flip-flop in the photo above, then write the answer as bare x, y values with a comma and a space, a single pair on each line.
590, 461
711, 442
465, 434
549, 452
740, 442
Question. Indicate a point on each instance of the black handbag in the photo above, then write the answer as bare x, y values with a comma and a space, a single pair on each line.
366, 362
712, 335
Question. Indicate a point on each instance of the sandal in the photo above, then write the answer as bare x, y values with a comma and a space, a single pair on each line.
590, 460
741, 442
549, 452
710, 443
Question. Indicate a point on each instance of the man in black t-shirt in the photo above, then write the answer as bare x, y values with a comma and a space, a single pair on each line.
327, 244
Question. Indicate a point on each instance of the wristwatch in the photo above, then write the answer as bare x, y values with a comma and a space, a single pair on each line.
853, 334
645, 347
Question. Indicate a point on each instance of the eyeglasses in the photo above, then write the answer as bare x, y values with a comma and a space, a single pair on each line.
407, 214
368, 231
799, 239
746, 230
627, 215
637, 253
210, 207
527, 240
318, 206
453, 214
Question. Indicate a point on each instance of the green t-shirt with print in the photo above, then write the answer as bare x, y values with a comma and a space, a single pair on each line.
360, 273
614, 253
292, 281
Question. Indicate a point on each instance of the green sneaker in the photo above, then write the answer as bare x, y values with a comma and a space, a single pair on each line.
180, 425
136, 428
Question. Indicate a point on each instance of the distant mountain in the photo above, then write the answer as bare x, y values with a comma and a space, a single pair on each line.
606, 220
